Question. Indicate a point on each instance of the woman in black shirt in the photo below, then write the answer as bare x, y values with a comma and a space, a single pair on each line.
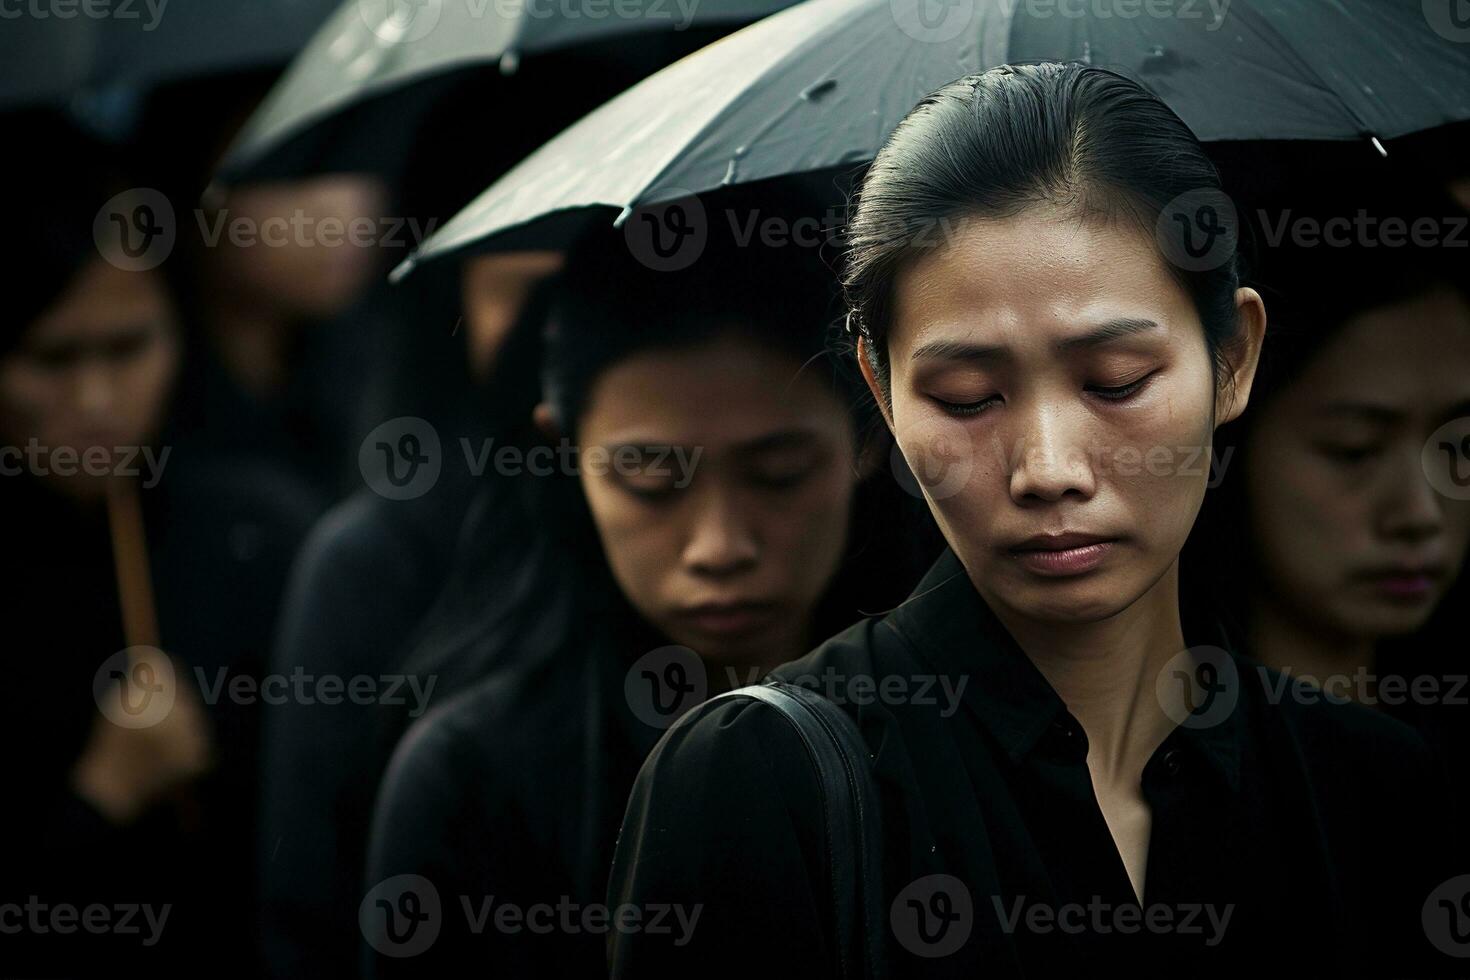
727, 527
1347, 472
1075, 771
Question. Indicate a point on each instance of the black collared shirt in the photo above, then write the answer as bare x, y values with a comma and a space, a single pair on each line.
1287, 832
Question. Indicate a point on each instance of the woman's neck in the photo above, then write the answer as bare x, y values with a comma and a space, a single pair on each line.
251, 337
1107, 671
1302, 649
252, 344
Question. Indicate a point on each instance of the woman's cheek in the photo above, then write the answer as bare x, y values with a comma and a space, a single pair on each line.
941, 452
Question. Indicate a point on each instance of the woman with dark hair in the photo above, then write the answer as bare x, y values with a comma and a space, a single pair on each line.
1052, 342
1347, 477
696, 519
129, 562
459, 359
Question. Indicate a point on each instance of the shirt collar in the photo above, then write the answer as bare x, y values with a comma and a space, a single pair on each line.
951, 627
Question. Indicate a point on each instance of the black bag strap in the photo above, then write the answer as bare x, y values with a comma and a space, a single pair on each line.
852, 818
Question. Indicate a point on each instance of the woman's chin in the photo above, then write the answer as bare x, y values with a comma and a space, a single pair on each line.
1070, 602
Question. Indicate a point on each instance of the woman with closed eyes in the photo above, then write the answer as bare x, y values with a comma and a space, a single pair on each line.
702, 519
1348, 473
1111, 788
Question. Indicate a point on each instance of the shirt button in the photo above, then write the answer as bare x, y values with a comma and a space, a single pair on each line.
1173, 761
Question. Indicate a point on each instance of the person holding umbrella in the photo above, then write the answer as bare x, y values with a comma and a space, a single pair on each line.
1116, 788
127, 566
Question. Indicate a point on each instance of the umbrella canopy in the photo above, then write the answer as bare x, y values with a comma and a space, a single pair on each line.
373, 48
48, 54
822, 84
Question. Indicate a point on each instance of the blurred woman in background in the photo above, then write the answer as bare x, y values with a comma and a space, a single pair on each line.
280, 281
131, 563
725, 527
1341, 528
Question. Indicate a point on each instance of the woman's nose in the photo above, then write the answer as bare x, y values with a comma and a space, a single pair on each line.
721, 538
1410, 508
1050, 457
94, 387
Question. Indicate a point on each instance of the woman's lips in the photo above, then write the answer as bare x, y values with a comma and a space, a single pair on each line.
729, 619
1403, 585
1063, 561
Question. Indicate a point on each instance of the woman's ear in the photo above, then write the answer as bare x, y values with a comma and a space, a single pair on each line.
544, 418
865, 365
1243, 355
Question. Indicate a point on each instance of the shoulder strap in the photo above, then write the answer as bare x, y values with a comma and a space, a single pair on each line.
852, 820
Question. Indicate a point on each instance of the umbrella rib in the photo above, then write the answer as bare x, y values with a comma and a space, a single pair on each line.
1312, 73
723, 113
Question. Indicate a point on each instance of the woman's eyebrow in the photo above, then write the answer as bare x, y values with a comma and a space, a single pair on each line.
1108, 331
1362, 411
646, 447
1102, 333
793, 438
958, 350
1456, 411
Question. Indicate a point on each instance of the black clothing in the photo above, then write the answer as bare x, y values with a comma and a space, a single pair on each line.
374, 580
311, 428
514, 788
366, 576
1422, 681
510, 795
219, 543
1318, 828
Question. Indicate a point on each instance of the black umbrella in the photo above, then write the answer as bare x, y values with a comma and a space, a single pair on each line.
371, 50
820, 85
52, 52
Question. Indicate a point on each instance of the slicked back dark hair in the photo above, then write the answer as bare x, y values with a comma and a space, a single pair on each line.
995, 144
611, 306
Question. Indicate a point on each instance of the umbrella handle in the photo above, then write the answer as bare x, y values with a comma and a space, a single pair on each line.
130, 561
